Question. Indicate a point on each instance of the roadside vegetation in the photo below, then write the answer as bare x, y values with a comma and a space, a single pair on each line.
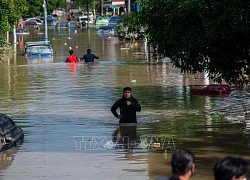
11, 11
211, 36
130, 26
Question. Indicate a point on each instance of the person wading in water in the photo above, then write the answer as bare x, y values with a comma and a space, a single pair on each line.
128, 107
89, 57
72, 58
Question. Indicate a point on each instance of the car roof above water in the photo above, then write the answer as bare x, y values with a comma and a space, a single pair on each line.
29, 45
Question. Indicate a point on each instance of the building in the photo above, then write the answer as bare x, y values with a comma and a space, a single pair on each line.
123, 4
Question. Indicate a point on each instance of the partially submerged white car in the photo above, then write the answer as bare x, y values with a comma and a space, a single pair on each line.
83, 20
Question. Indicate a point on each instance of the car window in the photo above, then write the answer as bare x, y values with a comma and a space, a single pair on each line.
114, 19
38, 49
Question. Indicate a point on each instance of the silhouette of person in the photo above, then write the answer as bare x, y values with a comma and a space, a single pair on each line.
231, 168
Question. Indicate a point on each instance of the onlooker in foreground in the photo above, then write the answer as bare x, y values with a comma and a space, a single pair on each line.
183, 165
231, 168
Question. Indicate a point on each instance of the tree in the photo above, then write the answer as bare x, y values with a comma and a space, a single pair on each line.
130, 27
35, 8
55, 4
85, 4
199, 35
11, 11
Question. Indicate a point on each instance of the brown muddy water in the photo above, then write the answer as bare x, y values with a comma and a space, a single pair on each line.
70, 133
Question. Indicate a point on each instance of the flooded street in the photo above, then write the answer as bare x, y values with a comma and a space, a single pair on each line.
70, 133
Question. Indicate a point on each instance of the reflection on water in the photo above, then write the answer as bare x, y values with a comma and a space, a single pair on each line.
64, 110
6, 159
125, 138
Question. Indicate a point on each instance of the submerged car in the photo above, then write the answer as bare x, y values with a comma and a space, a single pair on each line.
22, 31
38, 49
106, 30
90, 14
11, 135
113, 21
212, 89
102, 21
65, 24
82, 20
39, 60
51, 21
33, 22
110, 28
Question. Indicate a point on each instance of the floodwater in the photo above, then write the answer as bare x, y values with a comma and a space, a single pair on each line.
70, 133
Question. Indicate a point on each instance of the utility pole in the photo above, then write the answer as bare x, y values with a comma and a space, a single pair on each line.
45, 20
88, 13
94, 10
129, 6
101, 5
14, 39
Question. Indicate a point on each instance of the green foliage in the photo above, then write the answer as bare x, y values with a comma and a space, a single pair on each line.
211, 36
130, 27
55, 4
84, 3
3, 46
35, 8
11, 11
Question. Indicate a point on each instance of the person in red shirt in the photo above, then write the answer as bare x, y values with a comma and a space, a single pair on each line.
69, 18
72, 58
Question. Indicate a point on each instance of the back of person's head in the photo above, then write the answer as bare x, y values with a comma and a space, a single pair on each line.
183, 160
230, 167
127, 89
88, 50
71, 52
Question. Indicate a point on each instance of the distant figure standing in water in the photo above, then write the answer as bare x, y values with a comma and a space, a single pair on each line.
89, 57
72, 58
128, 107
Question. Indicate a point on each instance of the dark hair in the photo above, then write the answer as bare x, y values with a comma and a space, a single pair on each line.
88, 50
182, 161
127, 89
230, 166
71, 52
